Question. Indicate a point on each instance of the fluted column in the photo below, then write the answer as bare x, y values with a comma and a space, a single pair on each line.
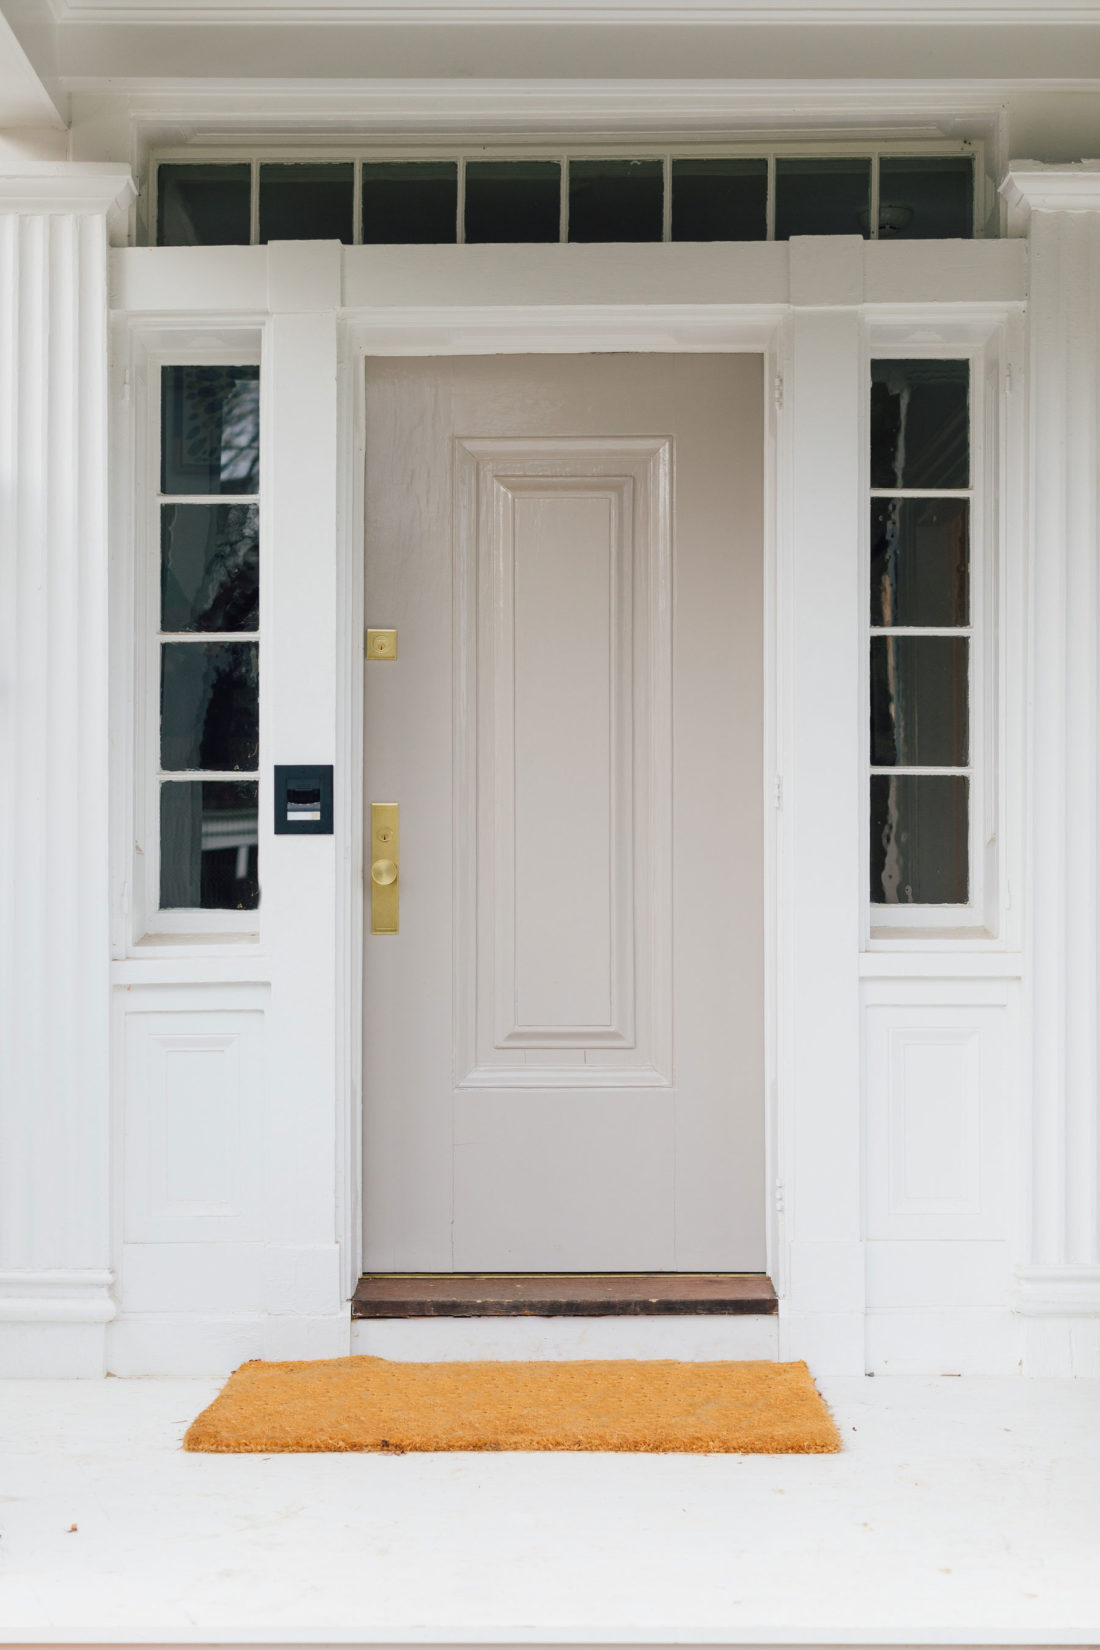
55, 1295
1060, 1286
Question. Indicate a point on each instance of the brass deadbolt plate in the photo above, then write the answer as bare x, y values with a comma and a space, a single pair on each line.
381, 644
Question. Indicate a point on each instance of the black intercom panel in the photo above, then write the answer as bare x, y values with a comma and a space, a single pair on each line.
303, 801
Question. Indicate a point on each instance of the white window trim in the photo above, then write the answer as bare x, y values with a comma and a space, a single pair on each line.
149, 924
986, 203
991, 345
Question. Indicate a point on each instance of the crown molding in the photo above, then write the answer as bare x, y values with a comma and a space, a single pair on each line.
1031, 186
82, 188
434, 13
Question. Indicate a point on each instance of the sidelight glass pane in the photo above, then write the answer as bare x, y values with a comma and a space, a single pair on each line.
616, 200
926, 197
209, 706
919, 701
513, 200
719, 200
209, 567
822, 196
308, 201
920, 424
208, 845
920, 561
210, 430
919, 847
410, 202
207, 205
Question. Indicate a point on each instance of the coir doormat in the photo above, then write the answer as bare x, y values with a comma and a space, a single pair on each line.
365, 1403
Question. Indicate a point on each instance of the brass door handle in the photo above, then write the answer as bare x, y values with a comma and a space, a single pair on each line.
385, 861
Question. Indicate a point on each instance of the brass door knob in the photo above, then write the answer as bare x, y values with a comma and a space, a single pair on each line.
383, 872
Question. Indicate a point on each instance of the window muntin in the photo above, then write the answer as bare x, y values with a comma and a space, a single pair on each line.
880, 192
207, 772
921, 634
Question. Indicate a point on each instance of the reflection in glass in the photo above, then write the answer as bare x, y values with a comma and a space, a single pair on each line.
616, 200
926, 197
307, 201
919, 701
410, 202
208, 845
920, 424
719, 200
920, 560
204, 205
513, 200
919, 851
209, 706
209, 567
210, 429
822, 195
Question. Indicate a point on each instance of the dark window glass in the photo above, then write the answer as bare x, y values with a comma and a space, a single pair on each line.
513, 200
925, 198
204, 205
719, 200
919, 852
308, 201
920, 424
919, 701
210, 430
616, 200
410, 202
827, 196
208, 854
209, 567
209, 706
920, 561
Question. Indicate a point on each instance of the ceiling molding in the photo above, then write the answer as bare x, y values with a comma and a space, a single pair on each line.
635, 13
1031, 186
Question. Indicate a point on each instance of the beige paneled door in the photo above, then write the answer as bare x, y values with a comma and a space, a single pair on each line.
563, 1039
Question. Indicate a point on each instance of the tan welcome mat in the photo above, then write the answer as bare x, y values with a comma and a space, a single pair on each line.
366, 1403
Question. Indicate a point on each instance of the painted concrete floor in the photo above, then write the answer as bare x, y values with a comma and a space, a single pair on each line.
961, 1511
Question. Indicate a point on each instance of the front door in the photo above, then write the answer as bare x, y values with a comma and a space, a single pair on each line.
564, 1037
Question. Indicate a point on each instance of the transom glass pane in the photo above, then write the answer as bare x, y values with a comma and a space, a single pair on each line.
919, 839
308, 201
209, 567
719, 200
926, 197
410, 202
822, 195
210, 429
209, 706
616, 200
208, 845
920, 712
513, 200
204, 205
920, 561
920, 424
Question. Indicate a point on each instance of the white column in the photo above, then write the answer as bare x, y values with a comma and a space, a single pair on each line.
1059, 1289
820, 872
55, 1286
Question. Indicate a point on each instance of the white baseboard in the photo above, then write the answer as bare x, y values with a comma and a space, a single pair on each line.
832, 1343
972, 1340
670, 1336
53, 1323
204, 1344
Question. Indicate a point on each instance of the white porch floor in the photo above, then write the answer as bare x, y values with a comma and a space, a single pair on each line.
962, 1511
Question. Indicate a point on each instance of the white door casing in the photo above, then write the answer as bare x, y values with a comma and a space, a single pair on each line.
565, 1041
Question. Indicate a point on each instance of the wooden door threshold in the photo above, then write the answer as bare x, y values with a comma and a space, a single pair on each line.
562, 1295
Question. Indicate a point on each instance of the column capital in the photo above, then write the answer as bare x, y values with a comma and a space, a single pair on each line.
82, 188
1032, 186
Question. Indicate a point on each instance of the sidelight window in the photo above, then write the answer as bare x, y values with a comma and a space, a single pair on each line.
208, 638
922, 634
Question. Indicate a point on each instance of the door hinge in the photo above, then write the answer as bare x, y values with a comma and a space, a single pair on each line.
778, 392
780, 1197
778, 791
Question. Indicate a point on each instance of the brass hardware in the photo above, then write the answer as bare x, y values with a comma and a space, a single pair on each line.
381, 644
385, 861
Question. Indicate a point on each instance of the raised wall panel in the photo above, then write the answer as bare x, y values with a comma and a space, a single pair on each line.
563, 775
194, 1126
941, 1113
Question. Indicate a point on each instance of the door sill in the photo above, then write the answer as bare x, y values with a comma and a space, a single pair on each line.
563, 1295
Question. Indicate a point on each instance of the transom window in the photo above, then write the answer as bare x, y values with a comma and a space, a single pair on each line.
480, 198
